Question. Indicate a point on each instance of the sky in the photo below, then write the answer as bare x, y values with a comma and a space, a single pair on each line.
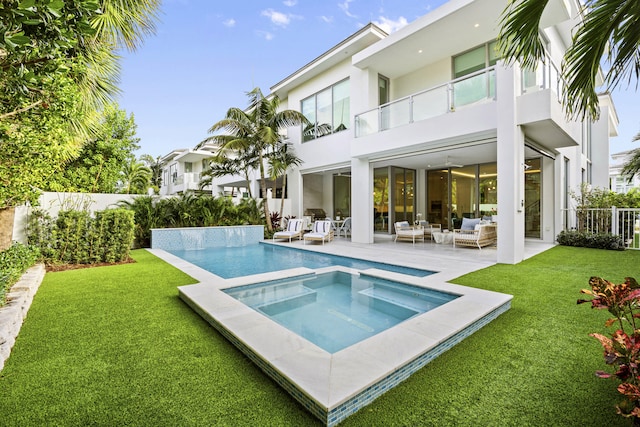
207, 54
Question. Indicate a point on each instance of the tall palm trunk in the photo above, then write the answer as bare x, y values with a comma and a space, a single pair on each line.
284, 186
263, 187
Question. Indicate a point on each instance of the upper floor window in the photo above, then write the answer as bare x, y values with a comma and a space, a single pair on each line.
188, 167
383, 90
327, 110
475, 60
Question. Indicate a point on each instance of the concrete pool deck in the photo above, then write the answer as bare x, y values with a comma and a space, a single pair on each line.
333, 386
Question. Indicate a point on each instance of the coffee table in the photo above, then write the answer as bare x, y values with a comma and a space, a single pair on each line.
442, 237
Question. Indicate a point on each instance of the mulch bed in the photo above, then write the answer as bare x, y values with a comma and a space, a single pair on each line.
65, 267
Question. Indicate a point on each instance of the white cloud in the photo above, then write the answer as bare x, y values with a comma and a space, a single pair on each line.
326, 19
345, 8
290, 3
229, 23
265, 35
277, 18
389, 25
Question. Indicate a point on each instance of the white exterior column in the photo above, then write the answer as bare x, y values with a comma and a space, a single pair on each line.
510, 164
600, 149
295, 195
361, 201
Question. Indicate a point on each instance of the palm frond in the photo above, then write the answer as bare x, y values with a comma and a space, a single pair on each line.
519, 38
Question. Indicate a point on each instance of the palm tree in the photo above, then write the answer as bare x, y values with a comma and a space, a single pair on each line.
241, 161
608, 31
632, 167
280, 161
255, 130
135, 177
155, 165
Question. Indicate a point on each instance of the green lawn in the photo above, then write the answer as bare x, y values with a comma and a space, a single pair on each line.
115, 346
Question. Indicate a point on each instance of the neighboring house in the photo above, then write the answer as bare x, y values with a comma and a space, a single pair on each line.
618, 183
182, 171
428, 120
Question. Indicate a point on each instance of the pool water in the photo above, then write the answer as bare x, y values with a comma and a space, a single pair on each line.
335, 310
230, 262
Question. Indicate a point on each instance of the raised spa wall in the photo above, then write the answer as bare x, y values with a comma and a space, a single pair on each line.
191, 238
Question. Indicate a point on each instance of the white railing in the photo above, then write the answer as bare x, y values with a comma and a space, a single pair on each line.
623, 222
471, 89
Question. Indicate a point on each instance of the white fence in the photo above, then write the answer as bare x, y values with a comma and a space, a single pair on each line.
623, 222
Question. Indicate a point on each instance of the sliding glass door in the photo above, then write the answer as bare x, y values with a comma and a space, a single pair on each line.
393, 197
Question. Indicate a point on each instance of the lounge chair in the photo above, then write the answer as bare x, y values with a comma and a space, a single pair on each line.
293, 230
345, 227
406, 232
429, 228
322, 231
475, 234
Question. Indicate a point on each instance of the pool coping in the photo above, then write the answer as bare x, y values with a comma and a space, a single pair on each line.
333, 386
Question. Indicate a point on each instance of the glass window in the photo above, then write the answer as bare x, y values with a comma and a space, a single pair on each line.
493, 53
328, 111
341, 106
533, 199
188, 167
383, 90
477, 59
488, 186
323, 103
309, 111
470, 62
438, 197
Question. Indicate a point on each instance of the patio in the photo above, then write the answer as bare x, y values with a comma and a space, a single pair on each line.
448, 261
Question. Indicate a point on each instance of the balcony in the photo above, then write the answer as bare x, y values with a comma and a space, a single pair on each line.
471, 89
546, 75
539, 108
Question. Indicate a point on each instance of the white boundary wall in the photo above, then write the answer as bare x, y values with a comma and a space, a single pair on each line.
55, 202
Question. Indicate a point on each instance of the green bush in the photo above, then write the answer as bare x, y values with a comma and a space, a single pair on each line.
77, 238
590, 240
189, 210
13, 263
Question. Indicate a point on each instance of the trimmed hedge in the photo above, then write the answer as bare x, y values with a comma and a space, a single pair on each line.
590, 240
77, 238
13, 263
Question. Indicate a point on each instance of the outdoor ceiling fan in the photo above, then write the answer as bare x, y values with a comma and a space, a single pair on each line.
447, 164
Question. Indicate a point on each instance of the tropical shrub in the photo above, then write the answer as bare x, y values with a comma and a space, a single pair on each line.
586, 239
14, 261
622, 349
189, 210
275, 220
77, 238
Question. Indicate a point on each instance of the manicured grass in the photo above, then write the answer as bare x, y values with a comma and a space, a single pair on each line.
115, 346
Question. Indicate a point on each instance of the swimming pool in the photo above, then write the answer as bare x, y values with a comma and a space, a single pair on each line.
335, 310
230, 262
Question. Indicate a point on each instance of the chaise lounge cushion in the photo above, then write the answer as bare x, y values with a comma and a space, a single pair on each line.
322, 230
294, 229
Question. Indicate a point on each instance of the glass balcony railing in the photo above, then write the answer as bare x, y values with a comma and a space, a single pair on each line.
439, 100
546, 75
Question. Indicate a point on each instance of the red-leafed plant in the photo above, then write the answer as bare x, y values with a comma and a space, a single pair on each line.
622, 349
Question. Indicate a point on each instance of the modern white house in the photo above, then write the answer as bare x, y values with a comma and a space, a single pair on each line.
182, 171
619, 183
429, 122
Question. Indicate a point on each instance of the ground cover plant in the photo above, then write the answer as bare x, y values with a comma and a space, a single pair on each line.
14, 261
115, 346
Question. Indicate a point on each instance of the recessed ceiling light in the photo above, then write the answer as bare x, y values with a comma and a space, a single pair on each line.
420, 51
476, 25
